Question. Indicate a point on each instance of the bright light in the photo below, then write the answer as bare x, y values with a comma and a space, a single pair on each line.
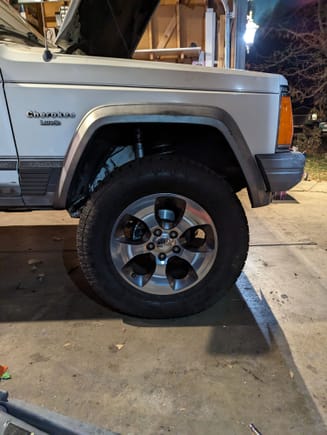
250, 30
251, 27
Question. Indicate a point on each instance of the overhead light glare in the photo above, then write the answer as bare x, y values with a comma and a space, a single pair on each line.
250, 29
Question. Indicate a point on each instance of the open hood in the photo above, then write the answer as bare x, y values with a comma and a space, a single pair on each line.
13, 28
110, 28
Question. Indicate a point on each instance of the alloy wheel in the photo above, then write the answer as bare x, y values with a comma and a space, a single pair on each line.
163, 244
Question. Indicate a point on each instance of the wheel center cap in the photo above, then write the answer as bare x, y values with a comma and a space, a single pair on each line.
164, 243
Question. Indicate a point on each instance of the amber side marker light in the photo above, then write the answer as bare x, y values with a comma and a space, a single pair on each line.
285, 130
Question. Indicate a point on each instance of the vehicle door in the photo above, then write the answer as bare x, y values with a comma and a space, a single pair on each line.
10, 192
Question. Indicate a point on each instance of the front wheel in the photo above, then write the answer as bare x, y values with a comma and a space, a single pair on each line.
163, 237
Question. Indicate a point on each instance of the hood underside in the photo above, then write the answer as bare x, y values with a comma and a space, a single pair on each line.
110, 28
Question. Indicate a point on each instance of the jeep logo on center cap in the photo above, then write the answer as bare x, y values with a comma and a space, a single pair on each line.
165, 244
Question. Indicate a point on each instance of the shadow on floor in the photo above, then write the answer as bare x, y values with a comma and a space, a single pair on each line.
41, 281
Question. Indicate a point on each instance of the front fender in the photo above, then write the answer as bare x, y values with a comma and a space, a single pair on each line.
162, 113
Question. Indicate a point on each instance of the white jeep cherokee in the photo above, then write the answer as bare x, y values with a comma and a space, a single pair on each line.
148, 155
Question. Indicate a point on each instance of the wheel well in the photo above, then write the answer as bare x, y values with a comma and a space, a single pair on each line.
204, 144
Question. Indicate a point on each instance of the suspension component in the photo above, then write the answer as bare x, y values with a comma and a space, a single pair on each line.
139, 152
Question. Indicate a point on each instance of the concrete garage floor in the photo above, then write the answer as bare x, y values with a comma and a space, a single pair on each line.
257, 357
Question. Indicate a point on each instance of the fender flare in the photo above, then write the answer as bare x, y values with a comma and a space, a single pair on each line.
163, 113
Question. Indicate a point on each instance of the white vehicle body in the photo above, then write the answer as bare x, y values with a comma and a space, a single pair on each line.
79, 85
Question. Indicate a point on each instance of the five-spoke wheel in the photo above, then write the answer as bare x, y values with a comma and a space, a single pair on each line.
163, 243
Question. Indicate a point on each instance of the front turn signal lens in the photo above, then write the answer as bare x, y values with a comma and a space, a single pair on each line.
285, 130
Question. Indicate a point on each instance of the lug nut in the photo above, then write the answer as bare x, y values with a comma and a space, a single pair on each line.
150, 246
173, 234
162, 256
176, 249
157, 232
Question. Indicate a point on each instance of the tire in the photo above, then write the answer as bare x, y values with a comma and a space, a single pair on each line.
162, 237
